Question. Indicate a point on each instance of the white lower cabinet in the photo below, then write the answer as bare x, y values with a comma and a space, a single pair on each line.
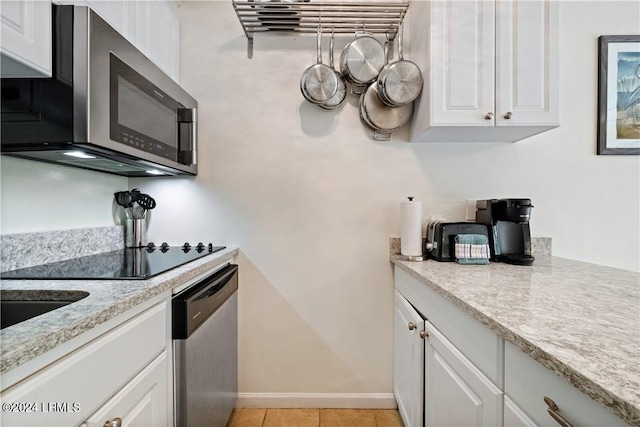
471, 376
528, 383
514, 416
456, 392
435, 384
408, 361
121, 373
142, 402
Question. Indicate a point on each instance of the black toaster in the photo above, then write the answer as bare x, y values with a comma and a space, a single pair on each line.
440, 245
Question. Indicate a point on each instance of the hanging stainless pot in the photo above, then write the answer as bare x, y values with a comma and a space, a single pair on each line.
380, 117
361, 61
400, 82
319, 82
338, 99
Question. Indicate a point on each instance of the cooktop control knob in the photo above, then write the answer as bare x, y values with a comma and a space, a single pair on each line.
210, 247
200, 247
151, 247
164, 247
186, 247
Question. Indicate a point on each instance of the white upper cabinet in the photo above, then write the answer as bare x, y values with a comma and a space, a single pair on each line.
152, 26
25, 40
164, 37
527, 54
490, 67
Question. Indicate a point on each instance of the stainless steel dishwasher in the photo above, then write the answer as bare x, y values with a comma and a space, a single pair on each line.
205, 348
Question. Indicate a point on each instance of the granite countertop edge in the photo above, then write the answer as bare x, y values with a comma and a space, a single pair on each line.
618, 405
107, 299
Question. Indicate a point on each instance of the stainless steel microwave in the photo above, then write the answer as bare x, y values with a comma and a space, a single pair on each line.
107, 107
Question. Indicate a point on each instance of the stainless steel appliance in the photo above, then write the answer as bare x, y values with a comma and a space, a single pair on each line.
126, 264
205, 348
510, 234
440, 245
107, 107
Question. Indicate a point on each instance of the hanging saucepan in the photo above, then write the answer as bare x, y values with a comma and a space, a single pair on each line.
361, 61
400, 82
319, 82
338, 99
380, 117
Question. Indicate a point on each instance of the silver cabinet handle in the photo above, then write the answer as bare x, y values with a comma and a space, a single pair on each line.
508, 115
424, 334
554, 412
116, 422
488, 116
411, 326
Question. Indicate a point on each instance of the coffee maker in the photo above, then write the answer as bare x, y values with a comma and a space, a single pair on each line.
509, 233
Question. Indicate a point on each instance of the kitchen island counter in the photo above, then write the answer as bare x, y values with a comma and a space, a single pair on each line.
580, 320
107, 299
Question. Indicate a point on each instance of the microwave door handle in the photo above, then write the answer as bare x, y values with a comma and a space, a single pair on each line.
187, 135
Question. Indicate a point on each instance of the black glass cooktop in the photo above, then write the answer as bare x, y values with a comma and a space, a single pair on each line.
129, 264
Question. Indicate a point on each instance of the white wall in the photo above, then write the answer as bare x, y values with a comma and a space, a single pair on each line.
311, 199
39, 196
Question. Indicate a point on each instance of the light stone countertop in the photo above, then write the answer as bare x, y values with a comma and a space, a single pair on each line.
107, 299
582, 321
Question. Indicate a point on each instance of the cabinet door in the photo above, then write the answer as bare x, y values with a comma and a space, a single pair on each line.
142, 402
527, 62
164, 37
456, 392
408, 361
25, 41
514, 416
461, 82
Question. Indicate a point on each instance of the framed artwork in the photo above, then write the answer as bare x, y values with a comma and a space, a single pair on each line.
619, 95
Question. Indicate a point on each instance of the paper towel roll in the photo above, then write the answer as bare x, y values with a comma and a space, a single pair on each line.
411, 228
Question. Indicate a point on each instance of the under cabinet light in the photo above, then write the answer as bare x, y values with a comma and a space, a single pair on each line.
154, 172
78, 154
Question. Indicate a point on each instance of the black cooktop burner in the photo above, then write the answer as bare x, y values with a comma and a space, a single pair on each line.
131, 263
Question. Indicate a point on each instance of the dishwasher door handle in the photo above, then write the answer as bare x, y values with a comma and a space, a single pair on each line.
193, 306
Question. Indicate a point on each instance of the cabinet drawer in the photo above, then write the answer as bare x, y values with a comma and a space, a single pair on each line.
80, 382
142, 402
477, 342
527, 383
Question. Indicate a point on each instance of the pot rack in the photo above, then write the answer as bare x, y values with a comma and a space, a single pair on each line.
287, 16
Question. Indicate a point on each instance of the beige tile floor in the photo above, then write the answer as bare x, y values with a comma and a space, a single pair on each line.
251, 417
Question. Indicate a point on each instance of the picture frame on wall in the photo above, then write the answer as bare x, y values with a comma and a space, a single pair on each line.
619, 94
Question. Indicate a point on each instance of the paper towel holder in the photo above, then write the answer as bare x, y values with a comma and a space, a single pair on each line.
415, 258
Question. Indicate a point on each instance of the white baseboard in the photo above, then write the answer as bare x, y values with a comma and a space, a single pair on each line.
317, 400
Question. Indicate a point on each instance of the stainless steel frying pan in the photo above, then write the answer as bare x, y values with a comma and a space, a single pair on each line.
380, 117
361, 60
337, 100
319, 82
400, 82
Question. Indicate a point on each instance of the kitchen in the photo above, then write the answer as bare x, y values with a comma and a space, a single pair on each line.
311, 200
